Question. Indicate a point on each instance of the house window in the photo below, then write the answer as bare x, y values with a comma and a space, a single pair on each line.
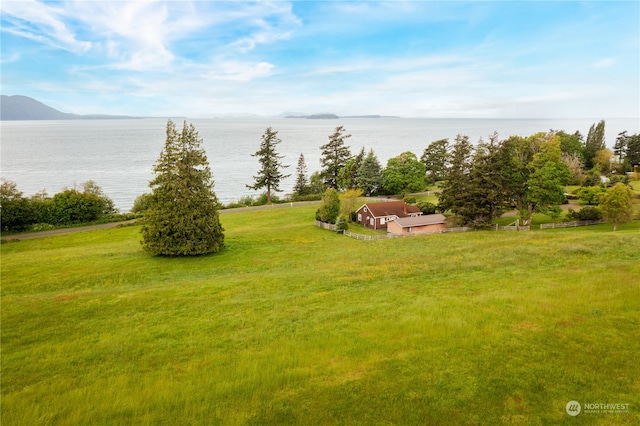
359, 217
409, 230
372, 222
382, 221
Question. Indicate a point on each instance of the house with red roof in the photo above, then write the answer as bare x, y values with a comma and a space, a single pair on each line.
378, 215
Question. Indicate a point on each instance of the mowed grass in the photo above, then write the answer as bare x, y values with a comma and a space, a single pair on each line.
292, 324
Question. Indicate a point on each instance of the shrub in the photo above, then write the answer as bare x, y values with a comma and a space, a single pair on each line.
410, 199
329, 206
621, 178
586, 213
14, 209
142, 203
426, 207
308, 197
72, 206
262, 199
590, 195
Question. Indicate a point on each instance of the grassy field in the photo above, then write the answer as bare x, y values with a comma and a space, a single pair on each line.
292, 324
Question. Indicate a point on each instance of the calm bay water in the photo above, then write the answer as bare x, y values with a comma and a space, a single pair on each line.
119, 154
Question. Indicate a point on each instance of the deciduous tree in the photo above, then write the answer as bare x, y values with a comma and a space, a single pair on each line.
547, 179
403, 174
616, 205
270, 174
183, 218
436, 159
349, 202
14, 208
602, 160
594, 143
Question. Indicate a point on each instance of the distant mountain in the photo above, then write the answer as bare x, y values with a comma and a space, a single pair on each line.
25, 108
333, 116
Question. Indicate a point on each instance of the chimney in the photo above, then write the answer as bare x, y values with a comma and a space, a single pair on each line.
405, 208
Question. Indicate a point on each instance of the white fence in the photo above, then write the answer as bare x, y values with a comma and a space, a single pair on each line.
513, 228
570, 224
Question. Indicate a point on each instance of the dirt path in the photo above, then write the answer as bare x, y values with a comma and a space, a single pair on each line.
30, 235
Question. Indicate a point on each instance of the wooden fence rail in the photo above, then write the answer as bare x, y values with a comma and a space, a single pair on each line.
332, 227
570, 224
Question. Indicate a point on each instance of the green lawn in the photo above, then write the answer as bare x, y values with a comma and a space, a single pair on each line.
292, 324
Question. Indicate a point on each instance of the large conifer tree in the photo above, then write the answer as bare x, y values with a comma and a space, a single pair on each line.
335, 155
183, 218
456, 189
269, 175
369, 177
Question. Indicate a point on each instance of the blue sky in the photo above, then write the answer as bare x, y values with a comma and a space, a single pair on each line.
501, 59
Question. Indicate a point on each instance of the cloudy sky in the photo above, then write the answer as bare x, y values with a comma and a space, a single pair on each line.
408, 58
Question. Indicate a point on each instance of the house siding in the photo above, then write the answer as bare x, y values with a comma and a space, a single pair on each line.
396, 229
367, 218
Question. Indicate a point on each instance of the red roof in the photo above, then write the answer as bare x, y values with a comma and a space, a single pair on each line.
391, 208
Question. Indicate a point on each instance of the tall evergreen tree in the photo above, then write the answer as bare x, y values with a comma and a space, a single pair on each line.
455, 194
487, 180
335, 155
632, 153
301, 187
270, 175
369, 177
183, 218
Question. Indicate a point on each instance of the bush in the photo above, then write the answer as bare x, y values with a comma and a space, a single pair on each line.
427, 208
308, 197
410, 199
262, 199
590, 195
73, 206
621, 178
329, 207
14, 209
142, 203
586, 213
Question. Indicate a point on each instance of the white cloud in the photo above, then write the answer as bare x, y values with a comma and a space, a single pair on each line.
41, 22
604, 63
239, 71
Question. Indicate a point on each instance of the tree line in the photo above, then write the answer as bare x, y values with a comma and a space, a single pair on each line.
86, 203
478, 182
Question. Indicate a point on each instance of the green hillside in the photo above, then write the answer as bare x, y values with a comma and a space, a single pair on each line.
291, 324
